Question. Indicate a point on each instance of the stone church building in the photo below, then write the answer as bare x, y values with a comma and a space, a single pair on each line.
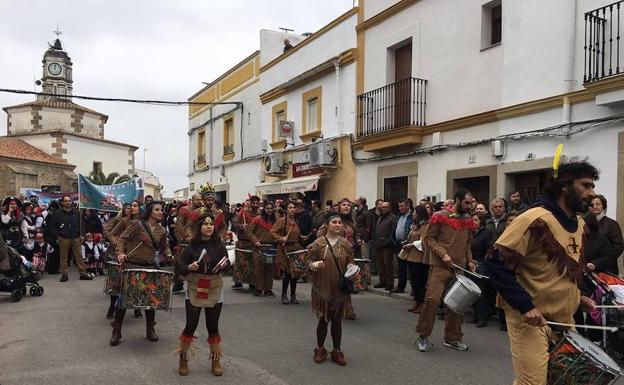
68, 133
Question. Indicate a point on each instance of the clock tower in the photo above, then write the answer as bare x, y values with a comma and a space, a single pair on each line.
57, 72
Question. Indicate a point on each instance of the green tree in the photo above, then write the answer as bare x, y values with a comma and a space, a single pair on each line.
99, 178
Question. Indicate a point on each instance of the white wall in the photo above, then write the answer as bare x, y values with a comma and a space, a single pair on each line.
56, 119
83, 152
272, 44
91, 126
42, 142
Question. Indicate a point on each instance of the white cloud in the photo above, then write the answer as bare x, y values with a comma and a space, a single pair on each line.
146, 49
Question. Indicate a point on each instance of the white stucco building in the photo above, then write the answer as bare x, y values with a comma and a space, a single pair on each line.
237, 146
56, 125
478, 94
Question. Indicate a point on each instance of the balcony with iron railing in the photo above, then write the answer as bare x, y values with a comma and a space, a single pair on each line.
602, 51
393, 115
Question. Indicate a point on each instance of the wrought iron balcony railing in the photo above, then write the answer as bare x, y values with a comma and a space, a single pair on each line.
397, 105
602, 43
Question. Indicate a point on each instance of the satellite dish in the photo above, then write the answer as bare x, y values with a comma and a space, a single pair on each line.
38, 82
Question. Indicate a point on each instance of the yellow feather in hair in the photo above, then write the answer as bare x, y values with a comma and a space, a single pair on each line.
557, 159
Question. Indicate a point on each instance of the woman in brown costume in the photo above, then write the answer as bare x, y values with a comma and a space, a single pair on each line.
141, 240
260, 230
287, 235
348, 232
205, 289
418, 270
112, 230
329, 256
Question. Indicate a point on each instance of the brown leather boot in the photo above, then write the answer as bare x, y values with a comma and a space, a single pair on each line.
338, 357
184, 349
150, 332
215, 355
320, 355
116, 337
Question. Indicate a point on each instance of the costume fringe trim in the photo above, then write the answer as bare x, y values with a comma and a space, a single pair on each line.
556, 253
262, 223
186, 346
213, 340
455, 223
509, 257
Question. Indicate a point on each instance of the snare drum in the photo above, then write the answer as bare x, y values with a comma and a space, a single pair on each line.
268, 254
362, 279
146, 289
112, 285
243, 267
298, 262
575, 360
461, 294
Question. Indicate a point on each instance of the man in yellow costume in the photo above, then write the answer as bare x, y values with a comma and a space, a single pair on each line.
537, 267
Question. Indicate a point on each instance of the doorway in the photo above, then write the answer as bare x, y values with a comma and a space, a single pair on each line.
479, 187
530, 184
395, 190
402, 85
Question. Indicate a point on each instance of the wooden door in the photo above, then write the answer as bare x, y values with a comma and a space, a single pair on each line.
402, 85
395, 190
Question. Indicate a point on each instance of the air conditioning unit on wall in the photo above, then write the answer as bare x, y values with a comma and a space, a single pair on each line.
322, 154
274, 163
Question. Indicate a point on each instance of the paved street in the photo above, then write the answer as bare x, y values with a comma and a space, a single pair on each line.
62, 338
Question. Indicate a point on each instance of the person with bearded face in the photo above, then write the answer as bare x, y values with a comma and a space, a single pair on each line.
10, 220
448, 239
537, 267
211, 207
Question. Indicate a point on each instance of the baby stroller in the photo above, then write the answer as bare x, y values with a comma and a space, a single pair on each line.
17, 274
608, 290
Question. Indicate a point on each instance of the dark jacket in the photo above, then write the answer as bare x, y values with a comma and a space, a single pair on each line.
304, 220
497, 230
65, 224
598, 251
611, 229
91, 224
364, 223
215, 251
481, 241
384, 231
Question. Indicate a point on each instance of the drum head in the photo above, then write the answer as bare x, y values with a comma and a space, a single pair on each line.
352, 270
596, 353
468, 283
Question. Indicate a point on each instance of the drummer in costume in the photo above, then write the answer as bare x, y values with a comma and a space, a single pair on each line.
287, 235
141, 241
112, 230
349, 232
207, 192
243, 266
202, 262
260, 231
329, 256
447, 241
536, 266
187, 215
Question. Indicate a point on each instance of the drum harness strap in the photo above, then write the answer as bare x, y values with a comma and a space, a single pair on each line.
149, 232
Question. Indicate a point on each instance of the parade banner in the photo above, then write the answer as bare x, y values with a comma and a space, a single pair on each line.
108, 198
44, 197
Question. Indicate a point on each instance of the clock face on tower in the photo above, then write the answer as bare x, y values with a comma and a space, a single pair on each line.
54, 69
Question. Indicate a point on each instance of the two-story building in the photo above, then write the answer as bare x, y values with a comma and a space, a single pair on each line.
478, 94
278, 123
308, 113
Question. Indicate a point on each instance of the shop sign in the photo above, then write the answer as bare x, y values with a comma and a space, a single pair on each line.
304, 169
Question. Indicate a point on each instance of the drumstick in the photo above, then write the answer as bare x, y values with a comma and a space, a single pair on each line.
201, 256
607, 328
133, 250
609, 306
470, 272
